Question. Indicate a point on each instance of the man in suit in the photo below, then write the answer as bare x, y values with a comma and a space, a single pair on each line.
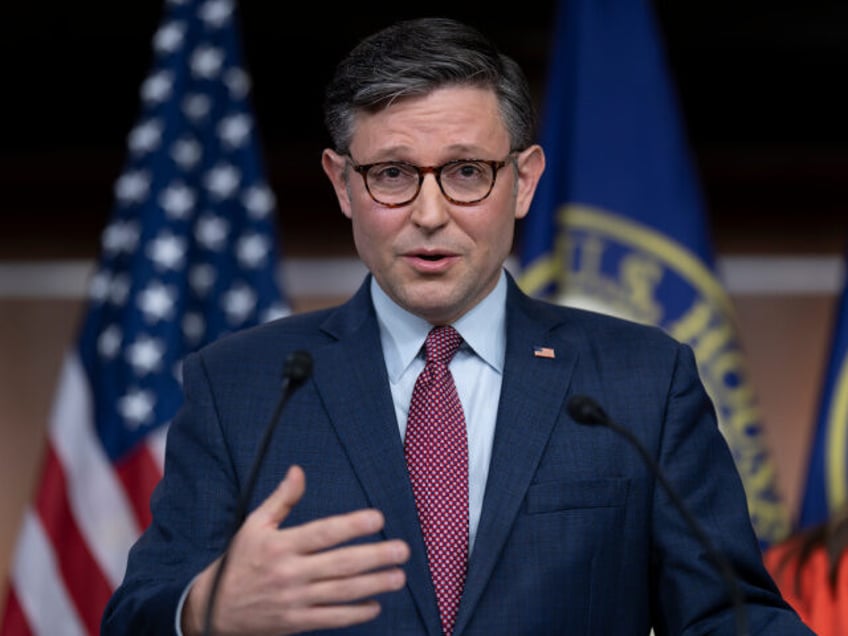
551, 526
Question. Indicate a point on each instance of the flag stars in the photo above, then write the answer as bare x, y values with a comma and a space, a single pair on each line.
235, 129
206, 62
157, 88
145, 137
186, 152
167, 251
215, 13
211, 232
259, 201
119, 289
238, 82
169, 37
196, 107
132, 187
98, 286
109, 342
252, 250
177, 200
145, 355
157, 301
136, 407
186, 251
238, 302
222, 180
120, 236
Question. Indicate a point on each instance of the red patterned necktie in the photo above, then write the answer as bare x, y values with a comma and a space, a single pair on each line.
436, 447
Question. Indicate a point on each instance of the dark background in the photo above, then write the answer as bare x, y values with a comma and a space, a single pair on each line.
761, 86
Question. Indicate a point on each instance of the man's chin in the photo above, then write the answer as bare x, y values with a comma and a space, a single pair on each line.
436, 304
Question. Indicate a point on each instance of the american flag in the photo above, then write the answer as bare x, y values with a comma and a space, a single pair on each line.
189, 254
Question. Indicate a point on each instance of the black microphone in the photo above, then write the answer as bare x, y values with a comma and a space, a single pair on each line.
297, 369
585, 410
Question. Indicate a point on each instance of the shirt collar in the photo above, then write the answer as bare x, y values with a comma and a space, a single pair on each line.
483, 329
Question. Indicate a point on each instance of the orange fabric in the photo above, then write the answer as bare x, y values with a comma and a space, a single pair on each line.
824, 610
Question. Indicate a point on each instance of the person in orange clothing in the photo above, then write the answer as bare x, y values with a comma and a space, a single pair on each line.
811, 570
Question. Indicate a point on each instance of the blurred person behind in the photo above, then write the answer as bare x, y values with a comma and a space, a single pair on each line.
809, 568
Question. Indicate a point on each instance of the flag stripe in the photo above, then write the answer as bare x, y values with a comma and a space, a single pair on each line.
156, 447
100, 506
139, 473
38, 584
84, 580
16, 622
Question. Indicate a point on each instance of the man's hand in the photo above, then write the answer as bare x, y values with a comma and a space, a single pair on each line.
297, 579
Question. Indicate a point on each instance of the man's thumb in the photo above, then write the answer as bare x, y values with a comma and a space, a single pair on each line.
285, 496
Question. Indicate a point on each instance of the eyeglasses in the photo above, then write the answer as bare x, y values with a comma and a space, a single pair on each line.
462, 181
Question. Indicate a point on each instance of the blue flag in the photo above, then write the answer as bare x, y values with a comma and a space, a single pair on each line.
618, 222
826, 490
189, 254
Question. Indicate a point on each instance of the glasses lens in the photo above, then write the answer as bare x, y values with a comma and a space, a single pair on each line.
467, 181
392, 183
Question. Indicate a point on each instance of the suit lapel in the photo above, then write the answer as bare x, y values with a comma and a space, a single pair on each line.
350, 375
532, 395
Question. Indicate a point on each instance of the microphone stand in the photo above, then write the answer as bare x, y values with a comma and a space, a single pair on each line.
298, 367
585, 410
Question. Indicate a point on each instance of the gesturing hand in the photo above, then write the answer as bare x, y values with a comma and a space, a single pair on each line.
297, 579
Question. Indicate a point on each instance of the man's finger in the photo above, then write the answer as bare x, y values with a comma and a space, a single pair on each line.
279, 503
318, 535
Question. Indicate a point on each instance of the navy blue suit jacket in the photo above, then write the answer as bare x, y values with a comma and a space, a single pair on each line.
575, 537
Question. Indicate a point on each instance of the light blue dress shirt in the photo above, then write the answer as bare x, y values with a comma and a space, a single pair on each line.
477, 369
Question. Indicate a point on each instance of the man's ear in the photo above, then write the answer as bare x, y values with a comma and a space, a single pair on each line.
531, 165
335, 168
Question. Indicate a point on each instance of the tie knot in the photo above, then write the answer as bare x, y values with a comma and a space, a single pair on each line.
441, 344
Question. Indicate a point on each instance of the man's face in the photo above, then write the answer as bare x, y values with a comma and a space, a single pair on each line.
435, 258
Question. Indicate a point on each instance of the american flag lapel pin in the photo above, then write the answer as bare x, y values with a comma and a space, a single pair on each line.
544, 352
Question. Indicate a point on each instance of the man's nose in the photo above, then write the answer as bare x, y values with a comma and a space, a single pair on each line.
430, 208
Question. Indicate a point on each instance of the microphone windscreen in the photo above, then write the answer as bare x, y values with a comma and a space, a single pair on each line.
298, 366
585, 410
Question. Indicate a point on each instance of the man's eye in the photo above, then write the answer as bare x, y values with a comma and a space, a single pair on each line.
390, 172
469, 169
465, 170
